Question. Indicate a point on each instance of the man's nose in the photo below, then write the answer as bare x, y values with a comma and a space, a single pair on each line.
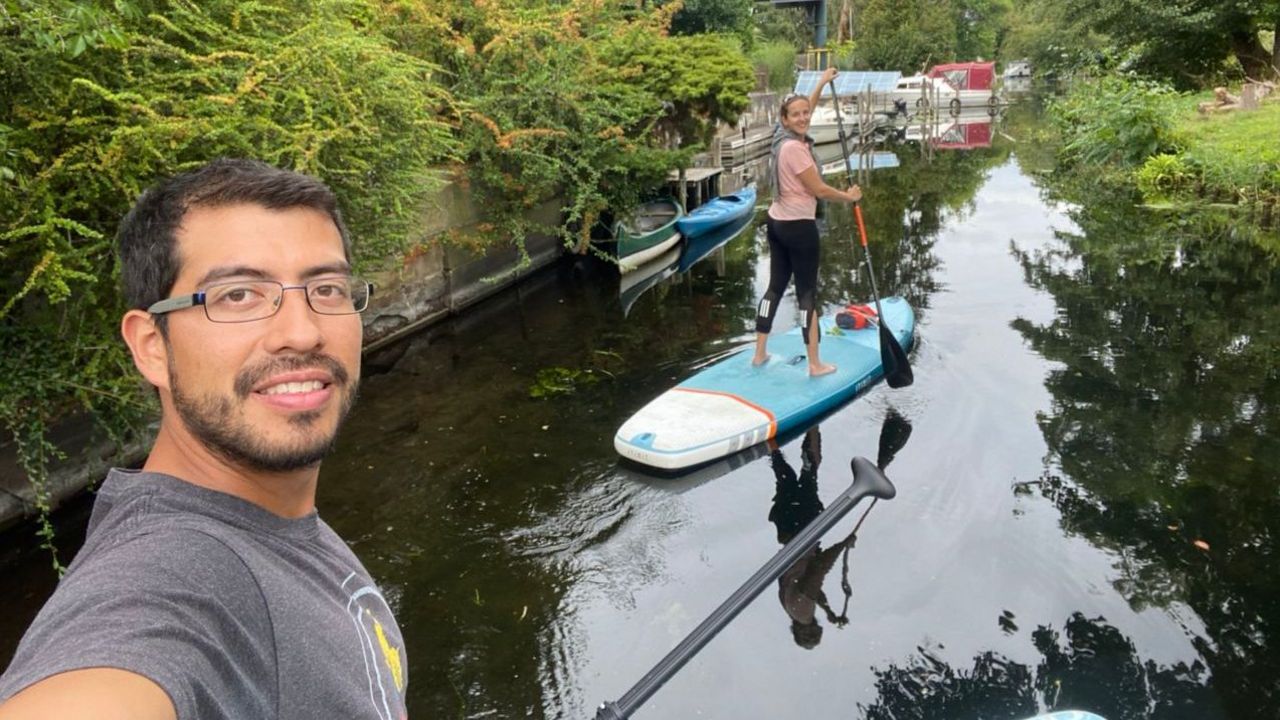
295, 326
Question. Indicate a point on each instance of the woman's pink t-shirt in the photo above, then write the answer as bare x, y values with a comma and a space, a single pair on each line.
792, 201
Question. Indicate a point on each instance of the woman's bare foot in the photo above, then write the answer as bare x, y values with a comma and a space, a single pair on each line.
820, 369
762, 350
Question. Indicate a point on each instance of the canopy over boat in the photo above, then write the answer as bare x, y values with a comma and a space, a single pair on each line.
965, 136
966, 75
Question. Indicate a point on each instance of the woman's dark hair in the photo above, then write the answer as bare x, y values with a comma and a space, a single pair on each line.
147, 238
786, 103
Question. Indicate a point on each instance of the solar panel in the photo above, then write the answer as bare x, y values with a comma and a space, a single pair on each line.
863, 161
848, 82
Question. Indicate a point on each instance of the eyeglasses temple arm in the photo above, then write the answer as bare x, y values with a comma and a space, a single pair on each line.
176, 303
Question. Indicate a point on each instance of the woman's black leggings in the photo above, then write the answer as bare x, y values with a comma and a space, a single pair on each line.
793, 248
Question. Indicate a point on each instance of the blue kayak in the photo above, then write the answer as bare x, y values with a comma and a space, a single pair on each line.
699, 247
717, 212
732, 405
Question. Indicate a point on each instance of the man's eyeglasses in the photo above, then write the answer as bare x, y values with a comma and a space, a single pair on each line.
248, 300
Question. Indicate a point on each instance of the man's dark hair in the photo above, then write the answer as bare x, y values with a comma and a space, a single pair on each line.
147, 239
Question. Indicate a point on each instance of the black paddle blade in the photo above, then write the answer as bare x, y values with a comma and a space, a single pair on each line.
897, 370
894, 434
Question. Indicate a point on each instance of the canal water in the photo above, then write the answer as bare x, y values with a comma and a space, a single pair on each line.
1087, 494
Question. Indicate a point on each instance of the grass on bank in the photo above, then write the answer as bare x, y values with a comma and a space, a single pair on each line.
1227, 156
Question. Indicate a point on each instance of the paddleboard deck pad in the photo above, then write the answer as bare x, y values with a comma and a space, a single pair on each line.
732, 404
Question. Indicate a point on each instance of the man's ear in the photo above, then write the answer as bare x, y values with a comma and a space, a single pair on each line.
148, 346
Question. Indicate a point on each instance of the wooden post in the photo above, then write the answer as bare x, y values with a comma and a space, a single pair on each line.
1249, 97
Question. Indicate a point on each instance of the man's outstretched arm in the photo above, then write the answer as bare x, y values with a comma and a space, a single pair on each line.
98, 693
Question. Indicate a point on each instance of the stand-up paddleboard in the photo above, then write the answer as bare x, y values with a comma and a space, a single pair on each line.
733, 404
1068, 715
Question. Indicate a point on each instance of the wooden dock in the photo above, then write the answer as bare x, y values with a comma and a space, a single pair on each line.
700, 185
745, 145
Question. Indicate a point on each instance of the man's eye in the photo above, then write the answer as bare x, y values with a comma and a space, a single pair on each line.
330, 290
239, 295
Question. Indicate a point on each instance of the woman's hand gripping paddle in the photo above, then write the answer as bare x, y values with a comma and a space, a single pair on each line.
897, 369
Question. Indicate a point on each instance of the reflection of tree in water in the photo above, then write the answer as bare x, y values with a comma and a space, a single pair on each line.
904, 209
1165, 423
1090, 665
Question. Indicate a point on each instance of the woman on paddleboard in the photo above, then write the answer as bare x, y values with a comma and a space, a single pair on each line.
791, 225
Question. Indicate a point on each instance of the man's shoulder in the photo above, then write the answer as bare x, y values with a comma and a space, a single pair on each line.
170, 557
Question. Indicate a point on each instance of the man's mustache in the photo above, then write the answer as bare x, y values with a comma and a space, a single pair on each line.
249, 377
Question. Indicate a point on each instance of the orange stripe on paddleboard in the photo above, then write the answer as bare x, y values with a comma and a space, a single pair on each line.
773, 421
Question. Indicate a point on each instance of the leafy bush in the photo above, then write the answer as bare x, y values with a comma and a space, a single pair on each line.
99, 103
586, 102
1118, 120
788, 25
1164, 176
778, 58
729, 17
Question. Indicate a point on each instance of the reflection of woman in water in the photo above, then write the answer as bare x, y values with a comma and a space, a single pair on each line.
796, 504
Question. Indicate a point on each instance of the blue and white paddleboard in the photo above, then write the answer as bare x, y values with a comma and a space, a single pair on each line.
1068, 715
732, 404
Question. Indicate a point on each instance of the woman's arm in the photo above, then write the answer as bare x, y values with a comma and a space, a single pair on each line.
827, 76
815, 186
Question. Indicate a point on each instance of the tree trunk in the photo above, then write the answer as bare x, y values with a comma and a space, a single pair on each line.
1275, 51
1254, 58
844, 26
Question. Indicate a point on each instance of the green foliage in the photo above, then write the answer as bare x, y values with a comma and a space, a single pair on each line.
784, 25
1133, 133
101, 101
1165, 333
582, 103
1235, 153
702, 79
1053, 37
979, 25
548, 118
778, 58
728, 17
555, 381
905, 35
1163, 176
1183, 43
1117, 120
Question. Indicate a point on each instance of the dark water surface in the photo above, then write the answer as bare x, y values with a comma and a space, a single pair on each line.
1096, 391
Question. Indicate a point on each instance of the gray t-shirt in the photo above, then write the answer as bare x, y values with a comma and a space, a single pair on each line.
235, 612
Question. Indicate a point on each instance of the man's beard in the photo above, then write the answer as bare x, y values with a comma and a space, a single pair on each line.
217, 422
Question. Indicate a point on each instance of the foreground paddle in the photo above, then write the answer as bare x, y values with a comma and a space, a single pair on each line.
897, 370
867, 480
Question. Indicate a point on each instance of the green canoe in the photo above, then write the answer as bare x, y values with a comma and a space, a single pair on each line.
649, 226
